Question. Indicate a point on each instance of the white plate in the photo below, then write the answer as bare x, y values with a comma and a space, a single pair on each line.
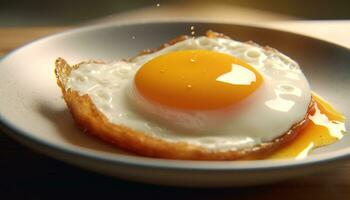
33, 112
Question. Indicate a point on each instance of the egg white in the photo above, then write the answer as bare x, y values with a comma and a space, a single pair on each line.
269, 112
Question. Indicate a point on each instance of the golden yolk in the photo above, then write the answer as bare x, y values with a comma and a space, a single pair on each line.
317, 133
196, 80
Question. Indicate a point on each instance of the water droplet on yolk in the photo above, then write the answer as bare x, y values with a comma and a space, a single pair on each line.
216, 80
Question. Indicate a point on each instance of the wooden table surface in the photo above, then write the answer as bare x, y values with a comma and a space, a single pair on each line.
28, 174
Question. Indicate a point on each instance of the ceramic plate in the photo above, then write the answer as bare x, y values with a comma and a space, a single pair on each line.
33, 112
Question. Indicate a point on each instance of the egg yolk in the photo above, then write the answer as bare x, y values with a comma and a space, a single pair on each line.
196, 80
325, 127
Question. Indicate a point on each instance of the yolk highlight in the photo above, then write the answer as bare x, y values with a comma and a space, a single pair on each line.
196, 80
326, 126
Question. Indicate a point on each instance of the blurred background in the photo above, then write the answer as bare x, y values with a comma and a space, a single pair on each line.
68, 12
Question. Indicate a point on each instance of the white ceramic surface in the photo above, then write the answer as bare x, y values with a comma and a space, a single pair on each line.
33, 112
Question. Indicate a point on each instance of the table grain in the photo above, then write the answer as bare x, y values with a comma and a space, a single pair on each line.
27, 174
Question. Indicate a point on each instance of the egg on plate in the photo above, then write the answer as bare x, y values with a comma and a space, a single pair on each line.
204, 98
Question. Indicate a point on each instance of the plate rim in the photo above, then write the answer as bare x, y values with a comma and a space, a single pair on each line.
138, 161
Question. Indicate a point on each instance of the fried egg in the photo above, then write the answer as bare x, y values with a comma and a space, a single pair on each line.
215, 93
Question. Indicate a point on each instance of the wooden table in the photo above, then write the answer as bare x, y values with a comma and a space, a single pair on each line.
25, 173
